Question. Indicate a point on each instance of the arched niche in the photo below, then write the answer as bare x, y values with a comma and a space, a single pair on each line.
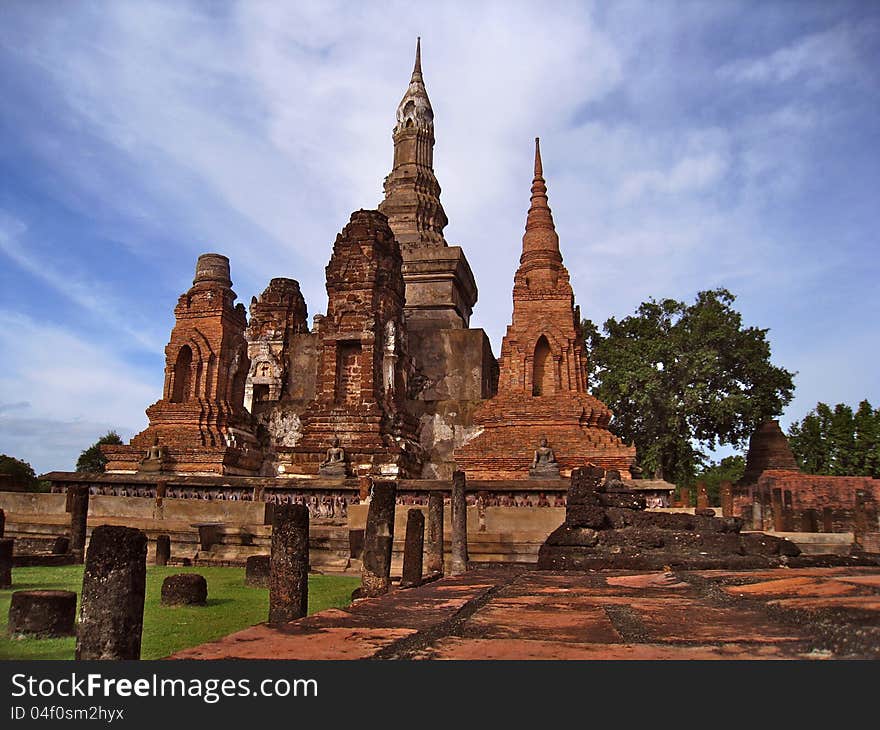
182, 375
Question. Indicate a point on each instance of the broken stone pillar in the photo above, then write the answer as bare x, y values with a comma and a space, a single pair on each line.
777, 510
289, 564
757, 513
185, 589
435, 532
79, 513
2, 523
257, 569
6, 544
702, 496
827, 520
43, 614
163, 549
459, 558
684, 495
787, 512
809, 520
111, 616
378, 539
413, 547
726, 489
747, 516
61, 545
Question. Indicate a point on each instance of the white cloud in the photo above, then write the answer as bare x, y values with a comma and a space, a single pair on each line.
54, 384
88, 293
815, 59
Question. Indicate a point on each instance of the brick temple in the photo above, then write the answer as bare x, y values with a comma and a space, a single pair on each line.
392, 370
200, 423
774, 494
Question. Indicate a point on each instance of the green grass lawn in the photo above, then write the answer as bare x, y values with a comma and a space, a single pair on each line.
231, 606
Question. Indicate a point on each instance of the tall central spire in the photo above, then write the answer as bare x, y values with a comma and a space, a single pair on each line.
540, 249
440, 287
415, 108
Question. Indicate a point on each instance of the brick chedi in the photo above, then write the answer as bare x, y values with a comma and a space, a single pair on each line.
440, 287
361, 386
542, 387
768, 449
200, 422
278, 315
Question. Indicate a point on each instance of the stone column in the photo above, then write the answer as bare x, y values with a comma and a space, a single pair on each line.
6, 545
413, 547
79, 513
787, 512
827, 519
684, 496
378, 539
111, 616
163, 549
702, 496
459, 561
289, 564
726, 489
435, 532
757, 512
776, 508
809, 520
2, 523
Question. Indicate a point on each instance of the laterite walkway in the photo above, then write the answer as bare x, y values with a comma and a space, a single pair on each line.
814, 613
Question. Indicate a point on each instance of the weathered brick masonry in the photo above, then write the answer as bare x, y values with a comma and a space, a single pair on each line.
200, 421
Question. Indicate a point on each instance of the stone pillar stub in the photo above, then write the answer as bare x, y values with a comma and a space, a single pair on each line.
289, 564
378, 540
435, 533
111, 615
6, 547
413, 548
163, 549
79, 514
459, 559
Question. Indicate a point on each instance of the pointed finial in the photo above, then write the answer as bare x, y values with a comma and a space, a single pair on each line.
417, 69
539, 168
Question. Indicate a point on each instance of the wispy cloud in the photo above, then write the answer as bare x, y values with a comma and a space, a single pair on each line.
683, 150
70, 387
85, 293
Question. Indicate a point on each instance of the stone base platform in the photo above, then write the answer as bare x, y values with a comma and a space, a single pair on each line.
806, 613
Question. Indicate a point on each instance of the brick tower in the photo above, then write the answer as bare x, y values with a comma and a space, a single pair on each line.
440, 287
542, 386
768, 449
362, 373
200, 422
278, 315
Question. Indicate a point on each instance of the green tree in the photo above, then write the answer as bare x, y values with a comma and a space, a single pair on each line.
93, 459
838, 441
729, 469
21, 472
681, 378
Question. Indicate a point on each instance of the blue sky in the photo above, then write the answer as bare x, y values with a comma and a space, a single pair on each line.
686, 146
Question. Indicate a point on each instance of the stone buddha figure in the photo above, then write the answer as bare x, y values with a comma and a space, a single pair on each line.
155, 457
544, 464
334, 464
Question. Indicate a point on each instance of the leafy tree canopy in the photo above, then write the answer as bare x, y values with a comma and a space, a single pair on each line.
92, 459
682, 378
21, 472
838, 441
729, 469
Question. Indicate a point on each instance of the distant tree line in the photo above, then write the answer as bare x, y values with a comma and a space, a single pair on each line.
838, 441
